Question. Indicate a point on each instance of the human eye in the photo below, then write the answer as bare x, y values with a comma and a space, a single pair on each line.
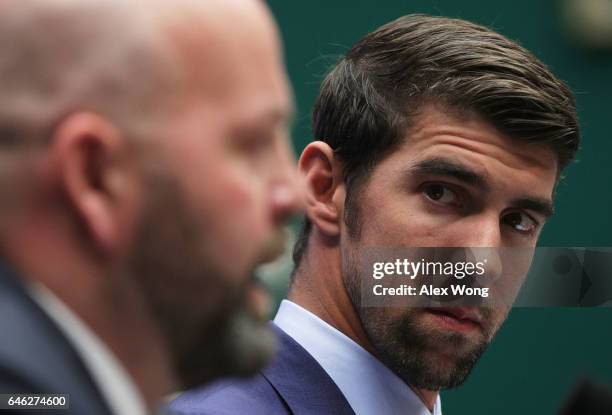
256, 144
440, 194
521, 222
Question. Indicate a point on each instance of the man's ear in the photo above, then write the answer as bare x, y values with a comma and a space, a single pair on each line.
86, 153
324, 187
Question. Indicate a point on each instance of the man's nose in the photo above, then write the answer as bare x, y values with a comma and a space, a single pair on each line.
482, 231
490, 260
286, 200
484, 243
287, 191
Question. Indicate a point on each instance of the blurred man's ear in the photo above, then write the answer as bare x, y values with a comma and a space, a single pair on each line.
324, 187
87, 162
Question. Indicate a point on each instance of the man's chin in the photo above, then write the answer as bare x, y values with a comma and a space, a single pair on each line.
253, 343
242, 347
257, 302
445, 365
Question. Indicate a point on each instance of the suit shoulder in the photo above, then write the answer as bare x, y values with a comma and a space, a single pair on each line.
254, 396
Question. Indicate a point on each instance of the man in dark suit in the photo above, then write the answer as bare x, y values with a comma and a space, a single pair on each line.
139, 143
435, 133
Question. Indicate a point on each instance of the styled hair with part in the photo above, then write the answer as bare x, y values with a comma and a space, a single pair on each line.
371, 96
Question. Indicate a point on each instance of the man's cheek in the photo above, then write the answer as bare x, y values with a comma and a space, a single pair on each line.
244, 209
496, 320
399, 229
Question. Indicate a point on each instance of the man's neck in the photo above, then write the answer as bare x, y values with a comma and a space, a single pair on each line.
331, 304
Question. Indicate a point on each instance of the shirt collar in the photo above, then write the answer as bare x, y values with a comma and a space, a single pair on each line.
111, 378
367, 384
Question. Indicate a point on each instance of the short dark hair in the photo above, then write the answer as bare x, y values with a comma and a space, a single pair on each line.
368, 100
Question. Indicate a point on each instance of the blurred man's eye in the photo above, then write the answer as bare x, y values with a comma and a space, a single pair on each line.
441, 194
259, 143
520, 222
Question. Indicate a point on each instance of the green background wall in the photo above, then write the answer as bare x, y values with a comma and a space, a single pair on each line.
540, 353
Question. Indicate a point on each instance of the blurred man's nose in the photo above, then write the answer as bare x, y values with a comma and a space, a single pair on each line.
287, 193
286, 200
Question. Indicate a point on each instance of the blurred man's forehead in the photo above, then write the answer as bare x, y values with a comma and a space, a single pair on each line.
235, 65
217, 42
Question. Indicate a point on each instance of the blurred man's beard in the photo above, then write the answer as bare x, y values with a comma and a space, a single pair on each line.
200, 310
422, 355
233, 345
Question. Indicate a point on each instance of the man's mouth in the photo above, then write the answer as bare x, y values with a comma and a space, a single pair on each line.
258, 302
274, 247
258, 299
462, 319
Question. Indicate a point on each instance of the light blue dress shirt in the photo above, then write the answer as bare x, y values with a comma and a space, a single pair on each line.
368, 385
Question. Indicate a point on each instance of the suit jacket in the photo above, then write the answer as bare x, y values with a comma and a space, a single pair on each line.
35, 357
294, 383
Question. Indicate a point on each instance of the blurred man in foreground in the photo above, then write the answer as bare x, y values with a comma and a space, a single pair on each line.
435, 133
145, 171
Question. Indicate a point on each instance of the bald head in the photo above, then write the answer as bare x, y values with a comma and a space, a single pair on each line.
212, 37
61, 56
140, 141
124, 59
134, 62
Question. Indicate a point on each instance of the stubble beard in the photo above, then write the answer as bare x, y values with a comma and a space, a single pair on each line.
422, 356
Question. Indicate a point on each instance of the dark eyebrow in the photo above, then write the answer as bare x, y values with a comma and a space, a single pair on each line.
544, 207
268, 118
441, 166
445, 167
276, 115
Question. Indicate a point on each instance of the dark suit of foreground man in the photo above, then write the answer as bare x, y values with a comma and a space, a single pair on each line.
139, 142
434, 133
37, 357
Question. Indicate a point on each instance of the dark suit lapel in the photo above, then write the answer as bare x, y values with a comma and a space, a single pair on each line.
302, 382
35, 350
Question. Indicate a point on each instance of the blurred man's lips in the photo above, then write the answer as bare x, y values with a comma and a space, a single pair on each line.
274, 247
258, 302
461, 319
